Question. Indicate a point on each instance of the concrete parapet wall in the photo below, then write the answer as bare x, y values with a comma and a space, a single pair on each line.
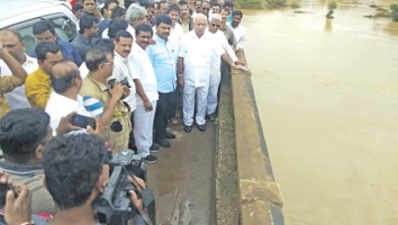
259, 198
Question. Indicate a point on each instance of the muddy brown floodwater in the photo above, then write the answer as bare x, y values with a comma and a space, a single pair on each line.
327, 93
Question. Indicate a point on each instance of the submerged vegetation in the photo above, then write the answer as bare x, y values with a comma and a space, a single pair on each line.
332, 5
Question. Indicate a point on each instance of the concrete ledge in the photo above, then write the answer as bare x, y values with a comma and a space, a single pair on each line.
260, 198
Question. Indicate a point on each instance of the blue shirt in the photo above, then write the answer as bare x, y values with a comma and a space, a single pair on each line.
82, 45
163, 56
229, 19
68, 51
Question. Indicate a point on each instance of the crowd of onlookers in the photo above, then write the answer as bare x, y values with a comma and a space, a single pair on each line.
133, 69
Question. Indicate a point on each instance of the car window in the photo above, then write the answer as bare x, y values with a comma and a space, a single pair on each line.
64, 27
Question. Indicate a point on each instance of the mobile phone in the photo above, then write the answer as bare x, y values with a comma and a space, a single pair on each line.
4, 188
83, 121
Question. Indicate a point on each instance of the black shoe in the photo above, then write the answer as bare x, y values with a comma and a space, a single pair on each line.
170, 135
187, 129
133, 147
212, 117
202, 127
151, 159
164, 143
154, 148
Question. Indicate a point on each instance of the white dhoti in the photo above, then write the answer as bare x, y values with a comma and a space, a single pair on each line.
212, 99
143, 128
188, 106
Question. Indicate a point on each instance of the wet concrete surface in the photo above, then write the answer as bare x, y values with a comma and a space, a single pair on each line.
183, 178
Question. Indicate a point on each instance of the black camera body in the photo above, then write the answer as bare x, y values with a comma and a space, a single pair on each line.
114, 206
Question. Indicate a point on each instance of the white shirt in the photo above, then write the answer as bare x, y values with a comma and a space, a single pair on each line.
145, 73
176, 34
59, 106
131, 30
105, 33
83, 70
240, 36
219, 39
198, 55
123, 68
17, 98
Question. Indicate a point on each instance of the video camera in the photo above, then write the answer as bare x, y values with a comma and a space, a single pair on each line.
114, 206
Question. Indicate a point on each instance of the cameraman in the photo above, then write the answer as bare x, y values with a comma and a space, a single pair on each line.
75, 174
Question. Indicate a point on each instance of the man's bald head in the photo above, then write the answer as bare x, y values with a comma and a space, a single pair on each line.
199, 17
199, 24
63, 75
63, 68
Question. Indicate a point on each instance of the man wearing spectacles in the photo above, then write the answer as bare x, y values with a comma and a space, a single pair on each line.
215, 74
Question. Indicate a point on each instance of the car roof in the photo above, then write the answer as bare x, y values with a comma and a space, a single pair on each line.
15, 11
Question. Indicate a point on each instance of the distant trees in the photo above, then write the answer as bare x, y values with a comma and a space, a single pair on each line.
394, 9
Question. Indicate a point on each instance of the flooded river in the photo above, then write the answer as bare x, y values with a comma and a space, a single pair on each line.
327, 92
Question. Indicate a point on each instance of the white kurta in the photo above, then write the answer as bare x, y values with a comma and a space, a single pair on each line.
59, 106
215, 70
198, 54
240, 36
143, 120
17, 98
123, 68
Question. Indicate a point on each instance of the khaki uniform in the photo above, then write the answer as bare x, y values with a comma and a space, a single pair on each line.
117, 140
7, 84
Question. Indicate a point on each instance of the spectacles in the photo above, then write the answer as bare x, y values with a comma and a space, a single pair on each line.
216, 25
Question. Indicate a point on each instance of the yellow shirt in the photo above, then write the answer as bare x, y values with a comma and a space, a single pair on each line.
118, 140
38, 88
7, 84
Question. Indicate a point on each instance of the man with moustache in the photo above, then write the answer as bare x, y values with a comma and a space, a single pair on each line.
147, 99
163, 56
238, 29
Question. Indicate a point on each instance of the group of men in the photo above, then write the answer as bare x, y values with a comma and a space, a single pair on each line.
134, 67
131, 70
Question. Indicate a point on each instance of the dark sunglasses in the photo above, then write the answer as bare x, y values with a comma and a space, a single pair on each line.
216, 25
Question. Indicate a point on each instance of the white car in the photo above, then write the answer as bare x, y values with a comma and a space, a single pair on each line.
20, 15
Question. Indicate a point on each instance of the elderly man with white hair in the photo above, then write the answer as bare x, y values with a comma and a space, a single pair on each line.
135, 15
194, 67
215, 74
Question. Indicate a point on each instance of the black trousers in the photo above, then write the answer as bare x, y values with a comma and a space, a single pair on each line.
165, 109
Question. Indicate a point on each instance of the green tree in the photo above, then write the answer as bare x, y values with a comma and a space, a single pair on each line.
394, 9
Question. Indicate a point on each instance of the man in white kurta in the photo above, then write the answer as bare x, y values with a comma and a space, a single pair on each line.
122, 66
146, 101
195, 60
215, 74
65, 99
